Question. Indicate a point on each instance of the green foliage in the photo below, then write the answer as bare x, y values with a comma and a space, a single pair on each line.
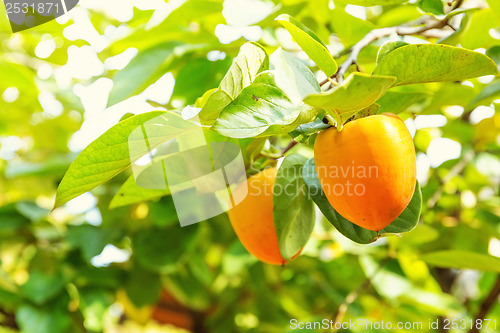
293, 212
310, 43
434, 63
260, 109
251, 60
130, 193
357, 92
368, 3
41, 286
388, 47
262, 87
42, 320
434, 7
161, 249
463, 259
132, 78
109, 155
139, 295
399, 101
486, 96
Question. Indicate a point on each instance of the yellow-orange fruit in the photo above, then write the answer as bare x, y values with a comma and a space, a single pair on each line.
252, 219
368, 170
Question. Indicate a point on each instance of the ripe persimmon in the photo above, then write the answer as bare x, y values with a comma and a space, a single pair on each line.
252, 219
368, 170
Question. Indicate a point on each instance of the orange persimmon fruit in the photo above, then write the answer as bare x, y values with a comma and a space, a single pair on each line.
252, 219
368, 170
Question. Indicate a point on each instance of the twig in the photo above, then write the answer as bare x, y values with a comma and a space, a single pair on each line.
385, 32
487, 304
9, 319
378, 34
457, 169
276, 156
292, 144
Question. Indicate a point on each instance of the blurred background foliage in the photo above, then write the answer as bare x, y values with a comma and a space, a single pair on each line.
85, 268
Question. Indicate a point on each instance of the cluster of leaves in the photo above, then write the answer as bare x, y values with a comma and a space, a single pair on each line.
263, 95
260, 99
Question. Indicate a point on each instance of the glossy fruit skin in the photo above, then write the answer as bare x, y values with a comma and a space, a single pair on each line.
376, 156
252, 219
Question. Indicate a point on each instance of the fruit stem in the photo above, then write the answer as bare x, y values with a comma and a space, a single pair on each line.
333, 82
330, 120
338, 119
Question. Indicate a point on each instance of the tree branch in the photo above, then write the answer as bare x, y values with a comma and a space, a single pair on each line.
292, 144
487, 304
385, 32
378, 34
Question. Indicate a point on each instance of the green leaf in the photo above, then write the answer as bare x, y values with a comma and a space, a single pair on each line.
93, 303
34, 319
197, 76
368, 111
251, 148
9, 298
261, 109
109, 154
398, 101
357, 92
431, 6
370, 3
163, 212
406, 292
19, 77
143, 288
12, 219
31, 210
293, 211
462, 260
451, 93
41, 286
293, 76
250, 61
478, 33
131, 79
420, 63
188, 290
130, 193
495, 6
55, 165
494, 53
348, 28
309, 43
406, 221
388, 47
488, 94
236, 259
160, 250
90, 240
456, 36
350, 230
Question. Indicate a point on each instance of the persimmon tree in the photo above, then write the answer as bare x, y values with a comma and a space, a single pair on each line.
319, 88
